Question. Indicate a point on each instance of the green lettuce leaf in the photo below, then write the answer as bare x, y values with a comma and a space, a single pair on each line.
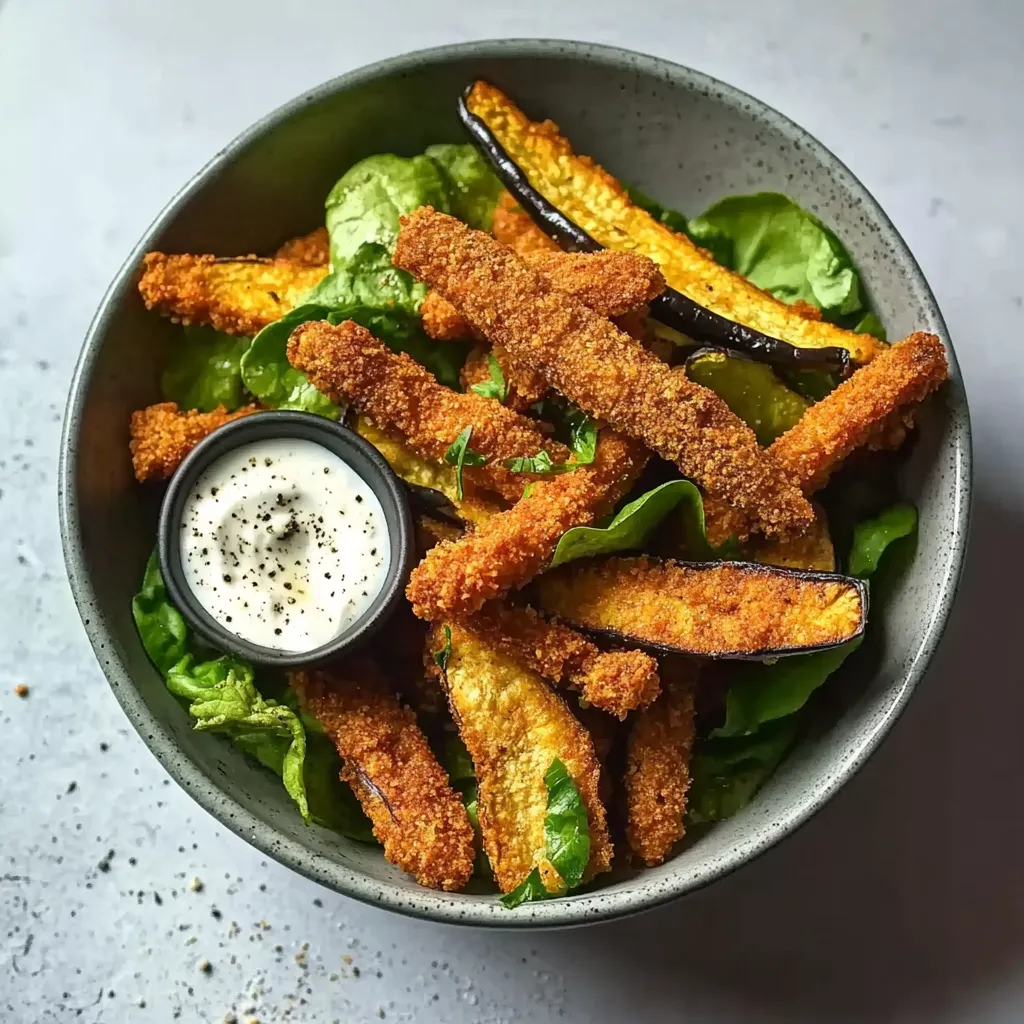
459, 765
566, 839
267, 373
751, 390
202, 370
366, 202
870, 324
369, 279
726, 773
332, 803
162, 630
632, 524
783, 249
473, 188
872, 538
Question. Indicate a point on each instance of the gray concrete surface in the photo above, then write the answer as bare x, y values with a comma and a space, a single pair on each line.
902, 901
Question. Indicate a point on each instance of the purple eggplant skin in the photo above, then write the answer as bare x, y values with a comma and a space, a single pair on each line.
671, 308
620, 639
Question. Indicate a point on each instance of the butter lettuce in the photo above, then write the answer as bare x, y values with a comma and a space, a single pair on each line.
202, 370
782, 248
473, 188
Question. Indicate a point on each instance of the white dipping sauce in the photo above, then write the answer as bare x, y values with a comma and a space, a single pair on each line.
284, 544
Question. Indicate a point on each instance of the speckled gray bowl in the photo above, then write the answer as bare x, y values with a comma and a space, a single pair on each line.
678, 135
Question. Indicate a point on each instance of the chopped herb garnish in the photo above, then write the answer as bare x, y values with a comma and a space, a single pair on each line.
459, 454
496, 387
441, 657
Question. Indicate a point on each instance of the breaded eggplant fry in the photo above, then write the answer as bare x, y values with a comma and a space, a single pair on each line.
712, 609
508, 550
593, 200
514, 725
611, 283
238, 296
162, 435
348, 363
512, 226
605, 372
658, 766
438, 476
416, 814
312, 250
860, 410
614, 681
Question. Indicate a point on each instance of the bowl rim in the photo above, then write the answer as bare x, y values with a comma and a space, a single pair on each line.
600, 905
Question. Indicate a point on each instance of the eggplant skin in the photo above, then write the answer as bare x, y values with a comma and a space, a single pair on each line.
584, 207
709, 609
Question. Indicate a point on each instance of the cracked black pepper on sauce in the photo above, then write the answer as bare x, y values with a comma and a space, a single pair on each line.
284, 544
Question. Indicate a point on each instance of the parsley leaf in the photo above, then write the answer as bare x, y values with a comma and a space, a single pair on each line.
496, 387
459, 454
582, 441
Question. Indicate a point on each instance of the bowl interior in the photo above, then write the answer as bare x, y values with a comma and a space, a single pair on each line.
677, 135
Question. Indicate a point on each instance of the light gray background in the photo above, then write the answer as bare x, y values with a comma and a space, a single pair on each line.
902, 901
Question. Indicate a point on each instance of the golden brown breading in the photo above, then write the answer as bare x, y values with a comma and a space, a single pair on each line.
162, 435
514, 725
605, 372
348, 363
614, 681
472, 507
508, 550
611, 283
860, 410
658, 766
312, 250
811, 549
416, 814
593, 200
717, 609
237, 296
512, 226
524, 385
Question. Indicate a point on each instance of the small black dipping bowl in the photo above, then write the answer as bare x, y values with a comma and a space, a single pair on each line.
350, 448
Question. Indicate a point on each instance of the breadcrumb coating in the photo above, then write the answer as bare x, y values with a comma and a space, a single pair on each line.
456, 579
238, 296
514, 725
658, 766
720, 609
512, 226
312, 250
614, 681
162, 435
416, 815
604, 371
812, 549
859, 411
348, 363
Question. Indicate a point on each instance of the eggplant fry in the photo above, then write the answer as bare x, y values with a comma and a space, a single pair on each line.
712, 609
348, 363
597, 203
511, 225
508, 550
605, 372
614, 681
238, 296
437, 476
416, 814
514, 725
861, 409
312, 250
162, 435
658, 765
810, 550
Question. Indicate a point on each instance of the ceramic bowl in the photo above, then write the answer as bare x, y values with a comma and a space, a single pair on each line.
673, 132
